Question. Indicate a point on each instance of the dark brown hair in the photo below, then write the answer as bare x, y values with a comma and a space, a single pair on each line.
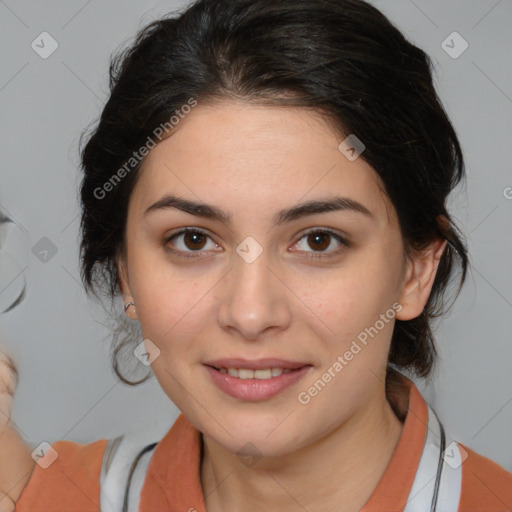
342, 58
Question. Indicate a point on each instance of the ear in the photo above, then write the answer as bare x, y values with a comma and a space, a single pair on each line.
124, 283
420, 275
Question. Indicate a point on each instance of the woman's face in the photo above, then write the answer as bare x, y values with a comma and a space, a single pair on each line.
262, 275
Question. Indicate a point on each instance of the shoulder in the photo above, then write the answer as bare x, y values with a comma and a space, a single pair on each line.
66, 473
485, 484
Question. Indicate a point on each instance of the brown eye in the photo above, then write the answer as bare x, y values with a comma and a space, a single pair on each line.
194, 240
189, 241
319, 240
316, 243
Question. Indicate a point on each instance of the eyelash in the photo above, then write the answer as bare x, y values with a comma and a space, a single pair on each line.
321, 254
311, 255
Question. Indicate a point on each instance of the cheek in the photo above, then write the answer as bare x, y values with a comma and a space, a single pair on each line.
350, 296
165, 294
346, 308
168, 307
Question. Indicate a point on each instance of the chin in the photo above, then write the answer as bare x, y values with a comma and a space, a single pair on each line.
257, 448
256, 435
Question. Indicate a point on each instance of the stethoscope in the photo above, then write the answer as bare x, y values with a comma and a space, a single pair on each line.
445, 489
145, 450
438, 479
442, 449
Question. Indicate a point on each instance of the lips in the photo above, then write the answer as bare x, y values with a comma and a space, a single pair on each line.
258, 364
255, 389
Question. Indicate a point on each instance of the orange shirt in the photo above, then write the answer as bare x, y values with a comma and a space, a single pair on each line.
173, 484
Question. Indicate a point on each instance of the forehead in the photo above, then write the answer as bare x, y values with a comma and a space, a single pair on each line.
251, 156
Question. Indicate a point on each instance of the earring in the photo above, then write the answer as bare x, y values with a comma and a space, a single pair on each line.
128, 304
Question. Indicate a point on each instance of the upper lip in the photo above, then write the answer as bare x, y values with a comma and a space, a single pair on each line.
257, 364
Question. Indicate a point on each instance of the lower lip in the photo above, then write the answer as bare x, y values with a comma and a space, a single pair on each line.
255, 389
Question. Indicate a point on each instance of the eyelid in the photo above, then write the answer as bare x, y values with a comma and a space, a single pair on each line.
342, 239
330, 231
188, 229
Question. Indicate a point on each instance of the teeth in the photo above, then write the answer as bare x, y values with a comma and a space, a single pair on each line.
246, 373
263, 374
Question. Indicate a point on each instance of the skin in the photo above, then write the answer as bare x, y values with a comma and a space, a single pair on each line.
15, 474
253, 161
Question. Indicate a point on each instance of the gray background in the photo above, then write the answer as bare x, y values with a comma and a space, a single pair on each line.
67, 390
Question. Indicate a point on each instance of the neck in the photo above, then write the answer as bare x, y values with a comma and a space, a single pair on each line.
338, 472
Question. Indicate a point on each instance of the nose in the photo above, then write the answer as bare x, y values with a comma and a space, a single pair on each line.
254, 300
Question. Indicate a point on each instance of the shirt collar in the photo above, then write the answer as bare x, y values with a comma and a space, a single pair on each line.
173, 478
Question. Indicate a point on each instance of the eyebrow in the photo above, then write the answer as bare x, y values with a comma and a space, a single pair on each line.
200, 209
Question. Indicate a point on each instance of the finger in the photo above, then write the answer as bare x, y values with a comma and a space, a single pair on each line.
6, 503
8, 384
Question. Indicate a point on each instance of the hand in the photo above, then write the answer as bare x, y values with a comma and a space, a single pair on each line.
16, 463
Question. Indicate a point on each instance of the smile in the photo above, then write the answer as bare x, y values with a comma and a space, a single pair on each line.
254, 385
247, 373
